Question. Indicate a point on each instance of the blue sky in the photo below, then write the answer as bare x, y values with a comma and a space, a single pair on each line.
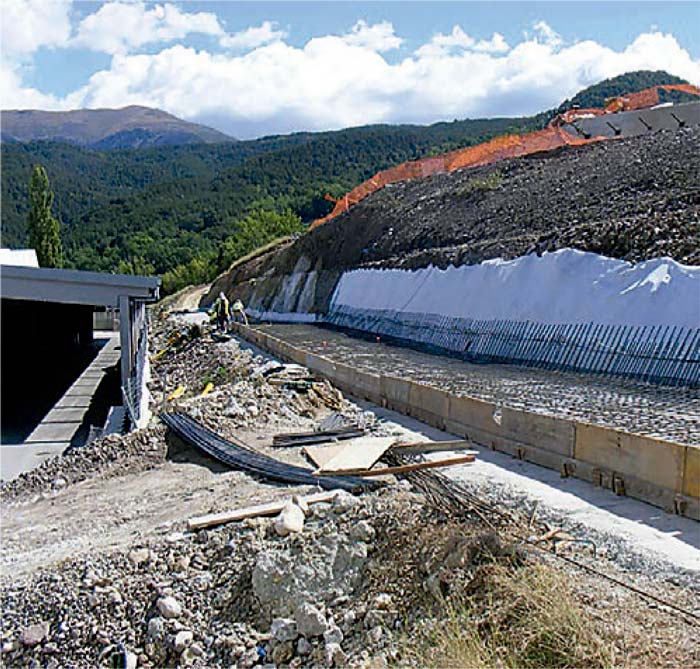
257, 67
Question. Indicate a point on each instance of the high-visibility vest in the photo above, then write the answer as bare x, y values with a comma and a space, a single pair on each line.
238, 305
222, 307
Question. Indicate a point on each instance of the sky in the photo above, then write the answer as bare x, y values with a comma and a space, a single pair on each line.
256, 68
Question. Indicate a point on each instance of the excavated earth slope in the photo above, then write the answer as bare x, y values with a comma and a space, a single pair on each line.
632, 199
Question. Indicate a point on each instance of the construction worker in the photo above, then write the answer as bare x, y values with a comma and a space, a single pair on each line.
238, 310
222, 311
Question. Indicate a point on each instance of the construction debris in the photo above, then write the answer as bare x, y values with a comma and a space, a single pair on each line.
241, 456
316, 437
270, 509
334, 579
402, 469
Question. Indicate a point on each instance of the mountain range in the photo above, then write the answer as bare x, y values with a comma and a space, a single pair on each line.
104, 129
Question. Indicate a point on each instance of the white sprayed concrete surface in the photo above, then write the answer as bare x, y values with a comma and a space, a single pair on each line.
566, 286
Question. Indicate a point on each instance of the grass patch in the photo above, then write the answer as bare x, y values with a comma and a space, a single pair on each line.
492, 181
526, 618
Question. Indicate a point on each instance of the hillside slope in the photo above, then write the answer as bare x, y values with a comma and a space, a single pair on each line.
633, 198
126, 128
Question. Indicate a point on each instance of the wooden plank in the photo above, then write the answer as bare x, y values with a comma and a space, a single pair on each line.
356, 454
414, 466
432, 447
270, 509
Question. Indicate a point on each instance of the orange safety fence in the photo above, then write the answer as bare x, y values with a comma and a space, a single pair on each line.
646, 98
499, 148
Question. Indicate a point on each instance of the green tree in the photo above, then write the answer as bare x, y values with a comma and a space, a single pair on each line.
42, 226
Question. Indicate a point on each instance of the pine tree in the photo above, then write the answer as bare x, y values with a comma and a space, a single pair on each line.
43, 227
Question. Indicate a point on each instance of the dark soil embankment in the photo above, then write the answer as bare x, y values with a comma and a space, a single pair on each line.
634, 199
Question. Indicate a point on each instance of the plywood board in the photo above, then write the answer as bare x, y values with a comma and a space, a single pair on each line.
319, 455
353, 454
402, 469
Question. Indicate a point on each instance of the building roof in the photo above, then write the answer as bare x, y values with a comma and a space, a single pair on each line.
22, 257
73, 286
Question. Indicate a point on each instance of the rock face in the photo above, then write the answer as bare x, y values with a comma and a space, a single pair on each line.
332, 567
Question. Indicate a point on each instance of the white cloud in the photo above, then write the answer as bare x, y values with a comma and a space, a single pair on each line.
120, 27
497, 44
253, 37
337, 81
441, 44
378, 37
28, 25
545, 34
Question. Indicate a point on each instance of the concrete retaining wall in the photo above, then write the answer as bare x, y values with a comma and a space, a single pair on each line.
662, 473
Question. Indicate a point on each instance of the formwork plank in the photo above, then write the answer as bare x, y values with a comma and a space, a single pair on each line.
546, 432
659, 462
691, 472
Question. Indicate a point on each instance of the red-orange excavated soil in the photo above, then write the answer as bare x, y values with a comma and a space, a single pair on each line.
499, 148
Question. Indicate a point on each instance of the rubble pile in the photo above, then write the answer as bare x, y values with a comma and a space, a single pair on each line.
241, 395
238, 595
113, 455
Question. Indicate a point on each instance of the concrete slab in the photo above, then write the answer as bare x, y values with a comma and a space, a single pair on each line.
54, 432
74, 401
65, 414
19, 458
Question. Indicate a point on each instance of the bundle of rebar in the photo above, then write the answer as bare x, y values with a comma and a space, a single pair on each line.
239, 455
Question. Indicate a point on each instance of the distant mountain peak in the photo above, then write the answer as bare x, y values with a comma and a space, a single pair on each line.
130, 127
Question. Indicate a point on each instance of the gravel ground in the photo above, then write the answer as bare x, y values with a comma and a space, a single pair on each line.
655, 411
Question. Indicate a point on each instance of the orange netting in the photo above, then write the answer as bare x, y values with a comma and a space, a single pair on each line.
646, 98
499, 148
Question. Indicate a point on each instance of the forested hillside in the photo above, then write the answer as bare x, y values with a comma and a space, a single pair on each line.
169, 205
596, 95
172, 209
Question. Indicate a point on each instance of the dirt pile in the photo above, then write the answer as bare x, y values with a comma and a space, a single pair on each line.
633, 198
367, 582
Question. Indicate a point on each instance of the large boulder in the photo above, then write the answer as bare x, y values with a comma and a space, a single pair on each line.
320, 572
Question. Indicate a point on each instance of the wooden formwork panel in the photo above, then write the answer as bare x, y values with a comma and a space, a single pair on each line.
429, 403
320, 365
691, 472
473, 413
544, 432
653, 460
396, 392
367, 385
